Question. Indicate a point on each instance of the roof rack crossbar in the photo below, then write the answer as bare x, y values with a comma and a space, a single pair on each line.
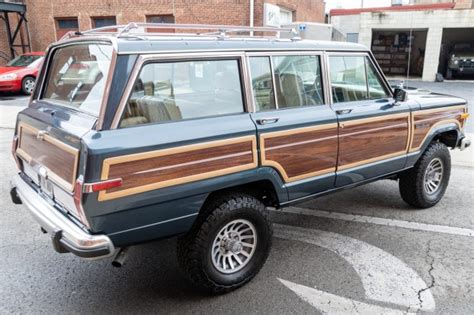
221, 31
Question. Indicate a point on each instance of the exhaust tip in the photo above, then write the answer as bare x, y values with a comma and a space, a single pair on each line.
116, 264
120, 257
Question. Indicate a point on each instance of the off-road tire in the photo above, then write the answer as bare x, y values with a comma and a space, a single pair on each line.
194, 248
26, 85
412, 181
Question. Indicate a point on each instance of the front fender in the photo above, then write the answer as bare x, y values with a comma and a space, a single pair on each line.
444, 128
447, 129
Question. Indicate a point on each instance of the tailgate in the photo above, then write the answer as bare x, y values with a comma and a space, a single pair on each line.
38, 147
49, 145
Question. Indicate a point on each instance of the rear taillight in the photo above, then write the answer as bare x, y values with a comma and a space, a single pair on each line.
14, 147
102, 185
78, 190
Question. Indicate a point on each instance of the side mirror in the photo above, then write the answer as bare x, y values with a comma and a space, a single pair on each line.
400, 95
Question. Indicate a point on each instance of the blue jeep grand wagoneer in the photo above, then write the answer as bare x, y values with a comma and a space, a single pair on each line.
133, 136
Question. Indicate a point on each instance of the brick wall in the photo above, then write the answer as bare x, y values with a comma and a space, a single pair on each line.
42, 13
4, 50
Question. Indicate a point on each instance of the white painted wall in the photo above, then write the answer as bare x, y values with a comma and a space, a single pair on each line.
434, 21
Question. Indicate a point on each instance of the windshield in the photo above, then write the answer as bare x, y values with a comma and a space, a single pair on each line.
77, 76
463, 48
23, 60
36, 63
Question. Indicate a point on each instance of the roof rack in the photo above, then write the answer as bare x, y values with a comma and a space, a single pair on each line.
143, 30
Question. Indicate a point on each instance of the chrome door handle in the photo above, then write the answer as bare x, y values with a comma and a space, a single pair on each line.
266, 121
344, 111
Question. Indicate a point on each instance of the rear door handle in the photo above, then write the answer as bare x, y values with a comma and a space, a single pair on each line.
344, 111
266, 121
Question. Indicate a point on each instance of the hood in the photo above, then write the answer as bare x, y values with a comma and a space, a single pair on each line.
428, 99
463, 53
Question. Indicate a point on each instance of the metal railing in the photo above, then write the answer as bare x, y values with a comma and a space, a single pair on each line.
142, 30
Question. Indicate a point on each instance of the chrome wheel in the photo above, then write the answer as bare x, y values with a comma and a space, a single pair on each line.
433, 176
29, 85
234, 246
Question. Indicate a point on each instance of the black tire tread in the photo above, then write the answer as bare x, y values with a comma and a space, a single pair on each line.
411, 181
193, 243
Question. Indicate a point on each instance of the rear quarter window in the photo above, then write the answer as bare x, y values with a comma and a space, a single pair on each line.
173, 91
77, 76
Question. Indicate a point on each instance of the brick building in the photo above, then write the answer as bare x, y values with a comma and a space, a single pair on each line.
50, 19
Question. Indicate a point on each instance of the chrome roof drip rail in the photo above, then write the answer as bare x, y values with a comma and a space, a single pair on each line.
142, 30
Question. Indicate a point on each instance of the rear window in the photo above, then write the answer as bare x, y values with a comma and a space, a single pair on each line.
77, 76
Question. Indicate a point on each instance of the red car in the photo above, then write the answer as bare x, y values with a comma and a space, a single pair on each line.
20, 73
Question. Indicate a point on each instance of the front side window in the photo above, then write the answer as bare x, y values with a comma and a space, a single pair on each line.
77, 76
173, 91
353, 78
376, 87
298, 81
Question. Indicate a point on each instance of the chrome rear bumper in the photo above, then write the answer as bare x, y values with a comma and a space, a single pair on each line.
65, 234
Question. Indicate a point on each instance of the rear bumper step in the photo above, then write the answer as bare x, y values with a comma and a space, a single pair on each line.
66, 236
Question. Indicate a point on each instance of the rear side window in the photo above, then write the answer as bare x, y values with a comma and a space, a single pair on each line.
77, 76
298, 81
172, 91
353, 78
294, 82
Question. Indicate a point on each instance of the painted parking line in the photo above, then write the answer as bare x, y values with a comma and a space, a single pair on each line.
328, 303
380, 221
385, 278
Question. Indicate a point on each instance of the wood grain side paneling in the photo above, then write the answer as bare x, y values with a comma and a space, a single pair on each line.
301, 153
163, 168
373, 139
59, 158
425, 120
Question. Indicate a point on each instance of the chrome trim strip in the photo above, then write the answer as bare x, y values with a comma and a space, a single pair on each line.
247, 83
326, 79
108, 87
53, 221
156, 223
250, 50
272, 75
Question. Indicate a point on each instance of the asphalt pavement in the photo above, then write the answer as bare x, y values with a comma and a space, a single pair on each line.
359, 251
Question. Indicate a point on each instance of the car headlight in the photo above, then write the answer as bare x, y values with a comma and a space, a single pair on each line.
456, 62
8, 76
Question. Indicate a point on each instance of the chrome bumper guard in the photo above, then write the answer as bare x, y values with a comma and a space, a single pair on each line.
65, 234
464, 144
